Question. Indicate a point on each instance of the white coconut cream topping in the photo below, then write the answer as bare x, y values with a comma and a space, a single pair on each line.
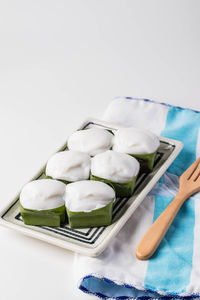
69, 165
115, 166
91, 141
135, 141
88, 195
42, 194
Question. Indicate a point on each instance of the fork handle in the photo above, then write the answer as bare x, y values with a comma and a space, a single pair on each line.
154, 235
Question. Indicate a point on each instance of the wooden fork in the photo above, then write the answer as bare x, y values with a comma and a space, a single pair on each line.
189, 184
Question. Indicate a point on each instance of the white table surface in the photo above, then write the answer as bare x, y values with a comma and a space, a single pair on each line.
60, 62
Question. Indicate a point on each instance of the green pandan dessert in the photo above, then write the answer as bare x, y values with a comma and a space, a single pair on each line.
140, 143
91, 141
89, 203
120, 170
42, 203
69, 166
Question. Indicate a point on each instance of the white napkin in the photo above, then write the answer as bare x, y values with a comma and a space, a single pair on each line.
174, 270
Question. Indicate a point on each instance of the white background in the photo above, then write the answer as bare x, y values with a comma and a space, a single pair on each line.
60, 62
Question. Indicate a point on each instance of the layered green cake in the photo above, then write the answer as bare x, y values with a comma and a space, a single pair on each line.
68, 166
42, 203
119, 170
89, 203
140, 143
91, 141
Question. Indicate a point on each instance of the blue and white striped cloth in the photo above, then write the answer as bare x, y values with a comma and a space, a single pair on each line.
174, 270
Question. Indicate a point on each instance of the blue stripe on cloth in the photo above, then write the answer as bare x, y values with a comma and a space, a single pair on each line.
170, 267
106, 289
182, 125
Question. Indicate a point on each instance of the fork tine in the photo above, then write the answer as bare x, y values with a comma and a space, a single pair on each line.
195, 174
188, 173
197, 180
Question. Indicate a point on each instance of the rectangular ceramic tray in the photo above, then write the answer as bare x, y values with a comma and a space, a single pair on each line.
92, 241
